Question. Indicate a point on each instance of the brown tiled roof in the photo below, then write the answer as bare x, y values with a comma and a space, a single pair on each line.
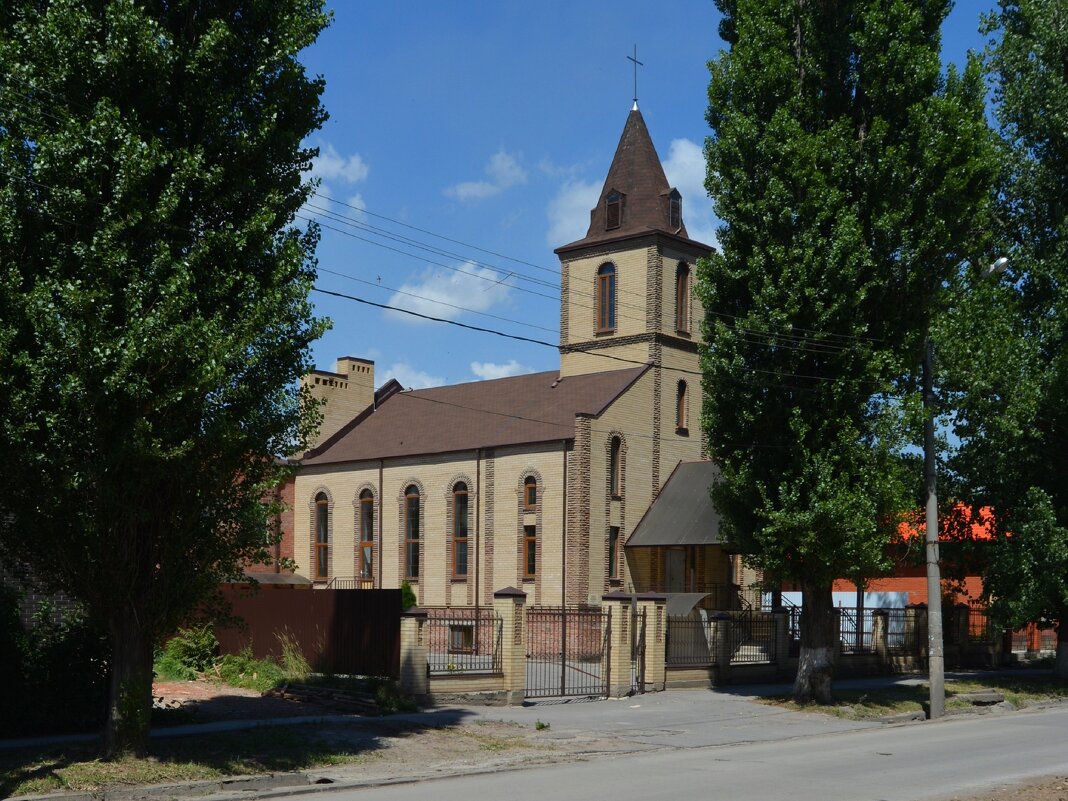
507, 411
636, 172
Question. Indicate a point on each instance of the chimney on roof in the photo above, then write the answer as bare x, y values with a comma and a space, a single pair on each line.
346, 392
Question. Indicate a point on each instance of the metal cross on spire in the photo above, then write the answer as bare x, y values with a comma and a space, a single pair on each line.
637, 64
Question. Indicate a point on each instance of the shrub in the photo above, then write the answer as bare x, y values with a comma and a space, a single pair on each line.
193, 649
408, 599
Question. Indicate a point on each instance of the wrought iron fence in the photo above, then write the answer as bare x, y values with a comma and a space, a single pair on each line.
689, 642
856, 632
752, 638
351, 584
463, 641
981, 628
901, 630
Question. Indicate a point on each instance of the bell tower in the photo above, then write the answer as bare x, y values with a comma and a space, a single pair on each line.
627, 287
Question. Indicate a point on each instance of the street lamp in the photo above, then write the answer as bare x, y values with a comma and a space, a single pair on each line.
936, 661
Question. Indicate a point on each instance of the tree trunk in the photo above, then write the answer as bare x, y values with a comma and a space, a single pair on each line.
1060, 664
816, 663
130, 693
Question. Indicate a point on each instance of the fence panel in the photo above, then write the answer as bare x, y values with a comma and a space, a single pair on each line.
900, 631
464, 641
354, 632
689, 642
752, 638
856, 633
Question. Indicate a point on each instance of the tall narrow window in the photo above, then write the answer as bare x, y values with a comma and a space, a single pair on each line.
411, 532
606, 298
367, 534
681, 416
530, 551
682, 299
322, 536
459, 530
613, 210
614, 468
613, 552
530, 493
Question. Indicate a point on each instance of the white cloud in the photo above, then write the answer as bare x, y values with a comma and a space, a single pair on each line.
685, 168
356, 208
332, 166
504, 171
489, 370
411, 378
569, 212
439, 292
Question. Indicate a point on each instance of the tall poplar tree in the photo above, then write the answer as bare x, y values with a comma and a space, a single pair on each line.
849, 172
154, 313
1013, 411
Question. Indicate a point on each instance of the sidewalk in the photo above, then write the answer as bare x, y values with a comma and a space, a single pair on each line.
418, 746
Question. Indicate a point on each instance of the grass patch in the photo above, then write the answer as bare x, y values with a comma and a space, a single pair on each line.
898, 699
183, 759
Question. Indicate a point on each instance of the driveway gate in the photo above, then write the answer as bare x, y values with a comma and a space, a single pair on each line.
567, 652
637, 650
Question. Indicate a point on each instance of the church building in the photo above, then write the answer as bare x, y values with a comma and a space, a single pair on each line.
546, 482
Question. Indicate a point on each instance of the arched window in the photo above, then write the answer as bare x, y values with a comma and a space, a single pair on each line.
367, 534
613, 210
322, 536
411, 532
530, 493
615, 468
682, 298
682, 420
459, 530
606, 298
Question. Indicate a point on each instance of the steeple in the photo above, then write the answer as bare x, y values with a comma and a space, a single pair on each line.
636, 197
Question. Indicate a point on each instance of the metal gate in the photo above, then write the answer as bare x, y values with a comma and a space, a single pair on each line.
637, 650
567, 652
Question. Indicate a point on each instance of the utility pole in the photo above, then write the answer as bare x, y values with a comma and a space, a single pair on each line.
936, 660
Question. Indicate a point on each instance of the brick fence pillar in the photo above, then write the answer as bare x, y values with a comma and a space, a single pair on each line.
414, 670
654, 606
510, 605
781, 617
880, 631
618, 607
719, 643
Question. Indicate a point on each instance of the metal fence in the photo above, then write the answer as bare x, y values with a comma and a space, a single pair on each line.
856, 630
567, 652
981, 628
752, 638
689, 642
338, 631
901, 630
462, 641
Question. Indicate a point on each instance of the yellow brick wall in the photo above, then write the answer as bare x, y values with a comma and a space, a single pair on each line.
436, 476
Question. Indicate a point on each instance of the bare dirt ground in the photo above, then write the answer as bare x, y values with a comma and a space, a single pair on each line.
1053, 788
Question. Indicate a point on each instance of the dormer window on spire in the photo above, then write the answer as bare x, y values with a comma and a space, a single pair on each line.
675, 210
613, 210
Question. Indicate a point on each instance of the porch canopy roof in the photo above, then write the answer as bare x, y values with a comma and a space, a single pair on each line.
682, 513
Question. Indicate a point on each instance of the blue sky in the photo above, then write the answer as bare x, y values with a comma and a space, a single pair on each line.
492, 124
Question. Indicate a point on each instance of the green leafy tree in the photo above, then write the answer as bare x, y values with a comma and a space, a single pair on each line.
849, 172
1011, 340
154, 313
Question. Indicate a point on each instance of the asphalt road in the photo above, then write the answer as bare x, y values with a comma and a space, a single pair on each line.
885, 763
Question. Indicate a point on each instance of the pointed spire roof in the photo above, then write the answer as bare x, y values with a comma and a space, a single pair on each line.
638, 177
